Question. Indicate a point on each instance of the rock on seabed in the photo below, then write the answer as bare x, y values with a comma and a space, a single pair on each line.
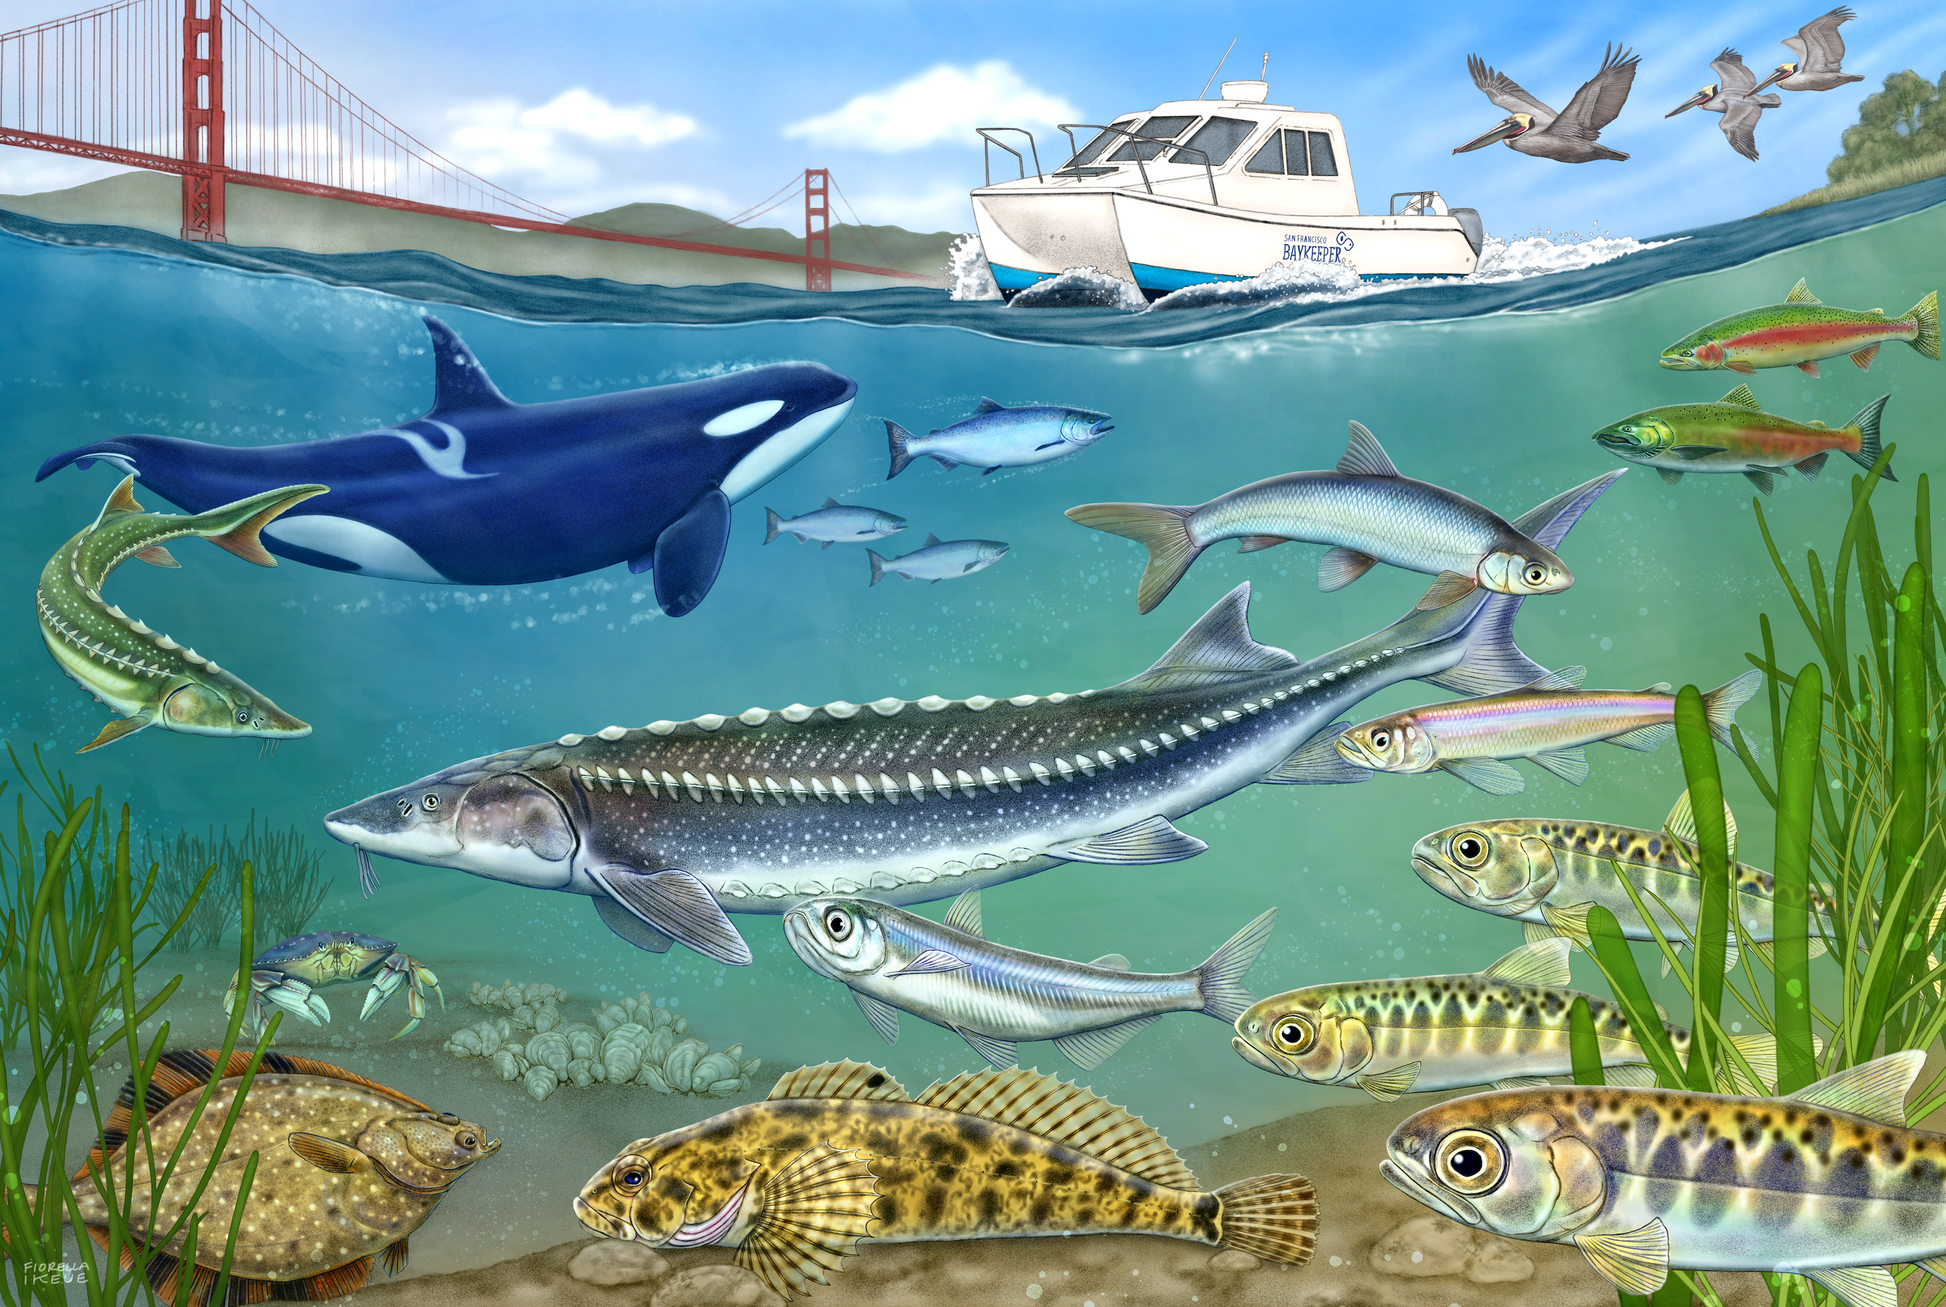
613, 1261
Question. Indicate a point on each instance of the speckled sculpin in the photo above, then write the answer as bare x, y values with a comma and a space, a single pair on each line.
1799, 332
668, 825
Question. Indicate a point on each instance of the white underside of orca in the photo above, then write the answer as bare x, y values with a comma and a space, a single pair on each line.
781, 450
372, 551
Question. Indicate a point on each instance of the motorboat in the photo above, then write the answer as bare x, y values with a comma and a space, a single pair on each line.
1195, 191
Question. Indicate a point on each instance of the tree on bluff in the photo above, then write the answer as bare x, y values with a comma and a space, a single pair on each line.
1904, 121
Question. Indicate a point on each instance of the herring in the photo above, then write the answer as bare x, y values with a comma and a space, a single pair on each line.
995, 997
938, 560
1365, 510
834, 523
666, 826
997, 436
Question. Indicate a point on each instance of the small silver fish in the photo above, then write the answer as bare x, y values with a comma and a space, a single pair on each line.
938, 560
997, 436
835, 523
994, 997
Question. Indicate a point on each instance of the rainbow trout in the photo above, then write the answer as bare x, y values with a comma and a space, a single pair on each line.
1735, 435
840, 1152
1828, 1182
1547, 722
149, 678
1799, 332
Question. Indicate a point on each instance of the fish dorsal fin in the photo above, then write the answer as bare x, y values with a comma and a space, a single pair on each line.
1660, 687
1068, 1114
841, 1080
989, 406
1875, 1090
1741, 397
1543, 962
1112, 961
459, 383
1801, 294
829, 502
122, 501
1563, 678
1217, 649
1363, 456
965, 914
931, 540
1681, 823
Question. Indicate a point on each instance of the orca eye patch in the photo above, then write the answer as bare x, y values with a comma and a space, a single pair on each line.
739, 420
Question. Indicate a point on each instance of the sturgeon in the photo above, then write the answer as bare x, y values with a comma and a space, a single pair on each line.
668, 826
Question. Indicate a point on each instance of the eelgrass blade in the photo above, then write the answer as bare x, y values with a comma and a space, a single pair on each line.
1617, 963
1797, 779
1584, 1049
1713, 872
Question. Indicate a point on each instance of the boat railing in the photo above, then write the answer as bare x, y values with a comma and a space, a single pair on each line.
986, 152
1142, 165
1418, 204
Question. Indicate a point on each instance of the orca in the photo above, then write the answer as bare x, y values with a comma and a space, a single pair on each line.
484, 491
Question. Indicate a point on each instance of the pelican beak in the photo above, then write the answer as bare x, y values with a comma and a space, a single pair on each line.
1783, 71
1693, 102
1499, 132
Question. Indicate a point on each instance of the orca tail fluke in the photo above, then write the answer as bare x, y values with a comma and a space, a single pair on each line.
111, 451
900, 440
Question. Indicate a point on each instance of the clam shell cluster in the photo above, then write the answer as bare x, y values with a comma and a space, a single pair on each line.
633, 1042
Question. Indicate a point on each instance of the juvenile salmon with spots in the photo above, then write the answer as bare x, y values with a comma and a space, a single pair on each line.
840, 1152
1799, 332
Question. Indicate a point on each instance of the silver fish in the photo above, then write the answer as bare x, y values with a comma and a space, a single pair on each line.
996, 997
997, 436
665, 826
937, 561
1364, 510
834, 523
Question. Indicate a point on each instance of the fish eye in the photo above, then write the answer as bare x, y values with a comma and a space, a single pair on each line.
430, 803
633, 1178
1381, 739
468, 1140
1469, 848
242, 715
1294, 1034
1688, 353
837, 924
1536, 574
1471, 1161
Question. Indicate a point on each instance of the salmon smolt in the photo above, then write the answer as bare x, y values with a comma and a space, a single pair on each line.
1799, 332
347, 1171
841, 1153
1828, 1182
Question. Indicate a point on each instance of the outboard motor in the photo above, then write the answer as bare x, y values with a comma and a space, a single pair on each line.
1469, 221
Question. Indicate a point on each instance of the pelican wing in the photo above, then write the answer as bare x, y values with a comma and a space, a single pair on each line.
1600, 98
1731, 75
1818, 46
1507, 93
1740, 123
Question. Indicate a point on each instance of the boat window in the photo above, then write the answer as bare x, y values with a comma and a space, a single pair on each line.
1167, 127
1103, 139
1270, 158
1294, 153
1218, 138
1323, 162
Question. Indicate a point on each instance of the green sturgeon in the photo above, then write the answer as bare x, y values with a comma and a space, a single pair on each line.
147, 677
667, 826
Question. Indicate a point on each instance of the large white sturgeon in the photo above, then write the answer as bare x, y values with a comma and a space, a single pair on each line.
669, 825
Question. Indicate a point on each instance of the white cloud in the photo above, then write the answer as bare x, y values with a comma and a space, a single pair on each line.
577, 153
942, 104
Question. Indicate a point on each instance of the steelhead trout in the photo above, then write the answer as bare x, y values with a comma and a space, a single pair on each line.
347, 1170
1799, 332
840, 1152
149, 678
1365, 510
1828, 1182
1735, 435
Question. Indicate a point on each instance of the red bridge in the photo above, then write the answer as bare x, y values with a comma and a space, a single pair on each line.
209, 90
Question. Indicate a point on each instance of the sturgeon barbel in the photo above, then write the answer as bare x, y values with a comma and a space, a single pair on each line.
1799, 332
666, 826
1828, 1182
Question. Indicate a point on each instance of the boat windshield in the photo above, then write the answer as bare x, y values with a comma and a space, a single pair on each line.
1088, 153
1218, 138
1289, 152
1164, 127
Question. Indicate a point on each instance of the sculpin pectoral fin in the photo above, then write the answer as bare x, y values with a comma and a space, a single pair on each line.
678, 905
1636, 1261
328, 1154
1090, 1048
631, 927
815, 1210
689, 553
1318, 762
1388, 1085
883, 1016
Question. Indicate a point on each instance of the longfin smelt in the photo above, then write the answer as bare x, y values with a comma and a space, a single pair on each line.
1859, 1286
1068, 1114
1636, 1261
1631, 1075
883, 1016
1142, 844
1522, 1082
814, 1212
1742, 397
1669, 475
1644, 739
329, 1154
1318, 762
1544, 962
1388, 1085
1341, 566
997, 1052
1090, 1048
1570, 922
1363, 456
114, 731
965, 914
1875, 1089
678, 905
1112, 961
840, 1080
931, 962
1570, 764
1488, 774
1447, 587
1215, 651
1801, 294
157, 556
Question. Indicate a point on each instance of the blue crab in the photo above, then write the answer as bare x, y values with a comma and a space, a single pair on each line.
290, 973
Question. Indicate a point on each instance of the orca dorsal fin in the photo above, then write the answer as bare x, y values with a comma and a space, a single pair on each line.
1363, 457
1216, 650
988, 406
459, 382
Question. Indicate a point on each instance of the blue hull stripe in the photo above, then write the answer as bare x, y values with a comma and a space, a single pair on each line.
1150, 277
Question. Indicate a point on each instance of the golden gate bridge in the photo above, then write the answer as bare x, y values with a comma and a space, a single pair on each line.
211, 91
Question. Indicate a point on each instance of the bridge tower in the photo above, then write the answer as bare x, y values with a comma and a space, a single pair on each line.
203, 174
817, 227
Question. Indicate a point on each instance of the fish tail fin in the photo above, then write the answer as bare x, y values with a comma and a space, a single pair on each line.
1220, 979
1274, 1217
113, 451
878, 566
773, 524
240, 538
900, 440
1760, 1051
1720, 705
1162, 529
1926, 311
1869, 447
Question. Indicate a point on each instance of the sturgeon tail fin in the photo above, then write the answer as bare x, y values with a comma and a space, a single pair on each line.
122, 456
1927, 313
1869, 447
901, 442
1274, 1217
1720, 705
1163, 530
1220, 979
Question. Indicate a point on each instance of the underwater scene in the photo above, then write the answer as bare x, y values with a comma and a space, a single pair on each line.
803, 793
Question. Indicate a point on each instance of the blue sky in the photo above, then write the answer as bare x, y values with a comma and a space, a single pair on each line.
717, 105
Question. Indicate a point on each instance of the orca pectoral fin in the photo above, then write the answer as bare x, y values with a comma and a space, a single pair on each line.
678, 905
689, 553
631, 927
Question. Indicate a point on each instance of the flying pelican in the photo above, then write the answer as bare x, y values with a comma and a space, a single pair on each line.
1819, 50
1728, 97
1533, 128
